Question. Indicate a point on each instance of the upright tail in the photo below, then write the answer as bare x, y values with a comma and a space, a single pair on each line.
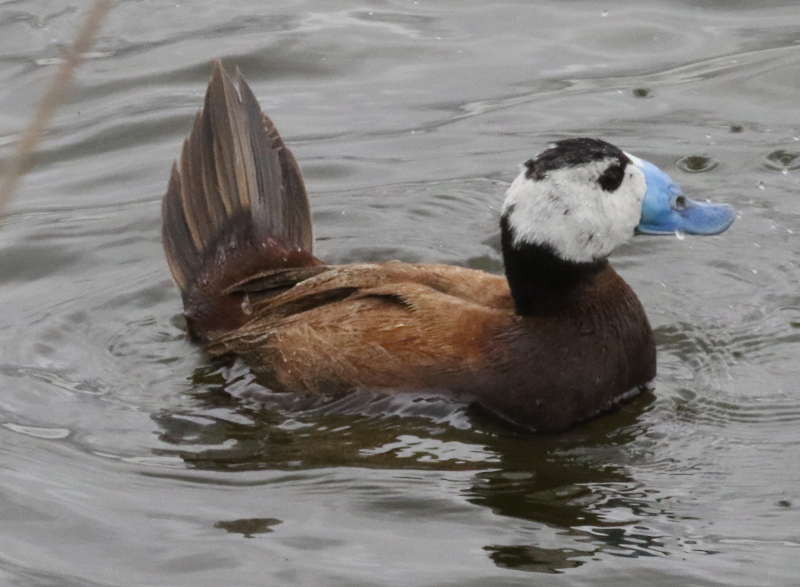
235, 207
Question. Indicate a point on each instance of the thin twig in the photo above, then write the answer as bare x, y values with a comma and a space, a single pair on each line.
52, 99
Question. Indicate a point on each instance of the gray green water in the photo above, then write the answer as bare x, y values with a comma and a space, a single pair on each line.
127, 459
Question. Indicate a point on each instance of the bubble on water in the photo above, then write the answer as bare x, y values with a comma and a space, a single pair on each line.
782, 160
697, 163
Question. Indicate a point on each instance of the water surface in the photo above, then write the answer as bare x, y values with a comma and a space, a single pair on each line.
129, 459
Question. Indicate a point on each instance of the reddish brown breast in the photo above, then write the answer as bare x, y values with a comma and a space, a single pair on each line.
552, 372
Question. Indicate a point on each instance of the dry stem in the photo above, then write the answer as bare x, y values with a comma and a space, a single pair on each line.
52, 99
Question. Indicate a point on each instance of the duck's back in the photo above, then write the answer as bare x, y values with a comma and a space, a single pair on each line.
390, 325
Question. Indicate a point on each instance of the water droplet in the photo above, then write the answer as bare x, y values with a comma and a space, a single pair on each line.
292, 424
604, 13
761, 185
246, 307
680, 234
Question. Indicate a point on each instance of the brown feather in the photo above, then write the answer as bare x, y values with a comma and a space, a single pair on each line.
236, 205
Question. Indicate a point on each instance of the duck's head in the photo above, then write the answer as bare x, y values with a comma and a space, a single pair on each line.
582, 198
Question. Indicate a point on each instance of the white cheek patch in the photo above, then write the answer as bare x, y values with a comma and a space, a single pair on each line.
570, 212
637, 183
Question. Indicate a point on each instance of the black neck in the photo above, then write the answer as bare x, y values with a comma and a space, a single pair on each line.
540, 281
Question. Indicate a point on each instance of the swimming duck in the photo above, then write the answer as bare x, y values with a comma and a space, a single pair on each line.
557, 340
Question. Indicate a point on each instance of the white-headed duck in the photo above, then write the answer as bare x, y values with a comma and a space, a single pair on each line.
556, 341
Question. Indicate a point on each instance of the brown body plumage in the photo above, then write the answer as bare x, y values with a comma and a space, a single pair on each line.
237, 233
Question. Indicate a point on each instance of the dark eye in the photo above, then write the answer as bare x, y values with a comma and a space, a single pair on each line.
611, 178
680, 203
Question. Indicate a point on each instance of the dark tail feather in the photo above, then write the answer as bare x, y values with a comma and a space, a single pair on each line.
236, 204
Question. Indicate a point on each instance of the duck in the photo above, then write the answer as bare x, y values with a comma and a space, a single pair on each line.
557, 340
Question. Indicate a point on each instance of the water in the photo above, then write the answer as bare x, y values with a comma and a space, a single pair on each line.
128, 459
